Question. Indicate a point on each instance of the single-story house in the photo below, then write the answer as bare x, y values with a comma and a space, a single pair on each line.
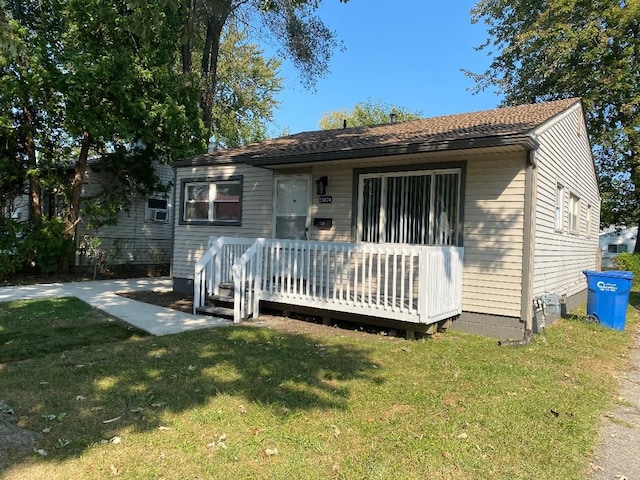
143, 234
487, 218
616, 240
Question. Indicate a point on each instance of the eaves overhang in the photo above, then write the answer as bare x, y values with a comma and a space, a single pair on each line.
525, 141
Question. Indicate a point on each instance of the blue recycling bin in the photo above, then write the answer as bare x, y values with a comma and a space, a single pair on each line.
608, 296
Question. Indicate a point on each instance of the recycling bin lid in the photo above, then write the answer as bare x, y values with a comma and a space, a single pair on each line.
609, 274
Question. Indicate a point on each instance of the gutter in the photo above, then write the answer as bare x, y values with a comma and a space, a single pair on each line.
283, 156
528, 251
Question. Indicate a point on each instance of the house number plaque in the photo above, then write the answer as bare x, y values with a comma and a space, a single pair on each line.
325, 199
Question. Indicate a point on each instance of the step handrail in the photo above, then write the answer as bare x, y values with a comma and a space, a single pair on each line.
202, 278
247, 274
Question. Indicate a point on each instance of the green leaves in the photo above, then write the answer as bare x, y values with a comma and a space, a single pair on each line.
366, 113
549, 49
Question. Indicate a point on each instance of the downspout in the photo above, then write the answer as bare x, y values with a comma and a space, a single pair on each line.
530, 200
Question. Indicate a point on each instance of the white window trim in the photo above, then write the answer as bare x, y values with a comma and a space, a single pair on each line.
574, 217
558, 219
212, 184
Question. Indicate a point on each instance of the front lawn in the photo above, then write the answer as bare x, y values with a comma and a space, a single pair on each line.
34, 328
246, 402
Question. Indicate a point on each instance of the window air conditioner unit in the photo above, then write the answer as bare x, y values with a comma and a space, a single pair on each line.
160, 215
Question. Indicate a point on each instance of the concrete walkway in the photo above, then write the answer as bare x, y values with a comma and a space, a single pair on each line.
617, 457
103, 295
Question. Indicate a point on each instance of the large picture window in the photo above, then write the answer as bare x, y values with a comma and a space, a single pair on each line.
410, 207
212, 201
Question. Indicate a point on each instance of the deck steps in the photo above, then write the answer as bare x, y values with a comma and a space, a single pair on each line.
215, 311
220, 305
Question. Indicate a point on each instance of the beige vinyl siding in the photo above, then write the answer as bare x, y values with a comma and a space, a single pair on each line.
257, 213
134, 239
564, 156
493, 223
340, 188
493, 220
493, 234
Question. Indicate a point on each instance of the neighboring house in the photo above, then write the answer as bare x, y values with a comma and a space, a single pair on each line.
482, 215
616, 240
143, 235
18, 210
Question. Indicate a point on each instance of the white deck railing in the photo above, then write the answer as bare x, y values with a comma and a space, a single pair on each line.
413, 283
215, 266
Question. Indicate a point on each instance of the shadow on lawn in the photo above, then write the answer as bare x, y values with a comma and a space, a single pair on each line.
138, 382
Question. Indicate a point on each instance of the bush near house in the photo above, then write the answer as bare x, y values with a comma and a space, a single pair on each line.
29, 248
629, 262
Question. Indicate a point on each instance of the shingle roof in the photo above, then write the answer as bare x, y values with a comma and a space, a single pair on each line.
490, 127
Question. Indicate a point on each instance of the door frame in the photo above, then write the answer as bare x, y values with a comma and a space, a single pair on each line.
276, 179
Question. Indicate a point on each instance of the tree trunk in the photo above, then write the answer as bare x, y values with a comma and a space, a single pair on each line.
209, 67
35, 193
187, 37
76, 186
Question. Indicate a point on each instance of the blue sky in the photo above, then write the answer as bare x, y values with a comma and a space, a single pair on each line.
407, 53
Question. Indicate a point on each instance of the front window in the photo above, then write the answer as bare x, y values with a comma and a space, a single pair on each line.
212, 201
420, 208
619, 248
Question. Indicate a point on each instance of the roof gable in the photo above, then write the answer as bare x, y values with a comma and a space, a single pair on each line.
501, 126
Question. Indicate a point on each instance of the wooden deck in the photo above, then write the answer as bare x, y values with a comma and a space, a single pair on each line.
409, 283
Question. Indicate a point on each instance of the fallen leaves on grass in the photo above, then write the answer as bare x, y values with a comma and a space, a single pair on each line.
269, 452
220, 442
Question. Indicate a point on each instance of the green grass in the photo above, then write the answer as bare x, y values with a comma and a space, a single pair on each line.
255, 403
35, 328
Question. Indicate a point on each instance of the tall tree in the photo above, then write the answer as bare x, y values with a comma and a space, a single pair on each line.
116, 82
292, 24
123, 103
366, 113
245, 95
550, 49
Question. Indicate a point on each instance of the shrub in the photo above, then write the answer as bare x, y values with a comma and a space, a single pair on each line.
49, 247
629, 262
13, 252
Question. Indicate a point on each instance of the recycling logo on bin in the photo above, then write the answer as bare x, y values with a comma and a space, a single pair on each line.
606, 287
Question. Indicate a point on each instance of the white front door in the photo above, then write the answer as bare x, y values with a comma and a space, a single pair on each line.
291, 207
